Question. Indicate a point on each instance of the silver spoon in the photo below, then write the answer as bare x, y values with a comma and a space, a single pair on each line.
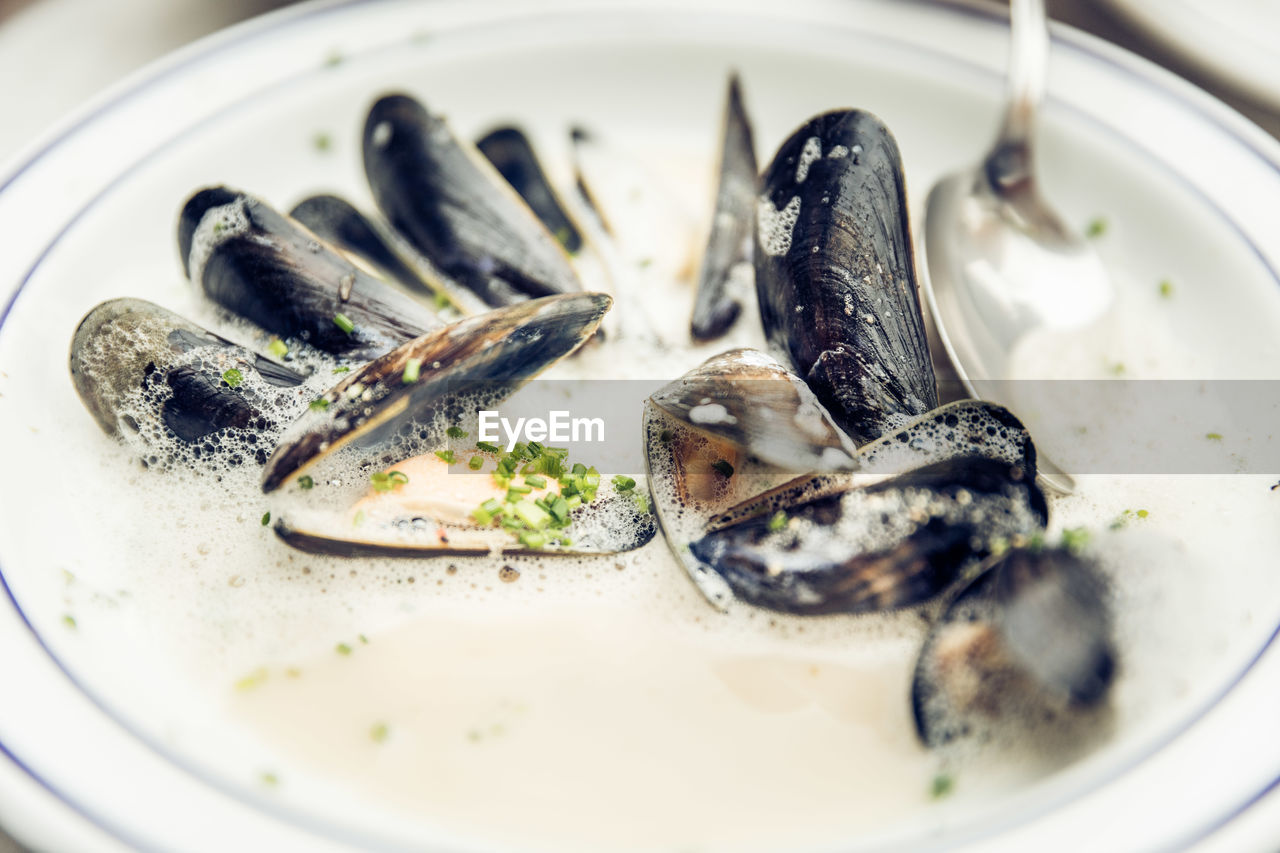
1000, 262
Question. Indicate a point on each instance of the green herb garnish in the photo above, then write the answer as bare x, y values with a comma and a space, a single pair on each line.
487, 447
1074, 539
277, 348
456, 432
1096, 228
306, 482
319, 404
941, 786
343, 322
412, 371
234, 378
777, 521
322, 141
1213, 436
623, 484
386, 481
378, 733
441, 301
266, 518
535, 481
343, 369
1166, 289
342, 649
475, 463
447, 455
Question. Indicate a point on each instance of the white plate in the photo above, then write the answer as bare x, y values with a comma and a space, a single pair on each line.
125, 718
1232, 40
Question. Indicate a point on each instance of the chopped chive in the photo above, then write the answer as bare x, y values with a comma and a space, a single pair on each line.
573, 501
1116, 368
270, 779
535, 449
305, 481
475, 463
412, 370
642, 502
359, 519
343, 369
319, 404
535, 481
723, 467
533, 539
1166, 289
441, 301
278, 348
1096, 227
560, 509
343, 322
398, 478
1075, 538
487, 447
266, 518
364, 641
481, 517
378, 733
1213, 436
778, 521
69, 620
447, 456
523, 490
492, 506
1142, 513
342, 649
623, 483
579, 469
941, 786
532, 514
456, 432
322, 141
234, 378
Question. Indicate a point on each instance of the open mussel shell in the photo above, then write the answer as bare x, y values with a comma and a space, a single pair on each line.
456, 209
142, 370
607, 525
1028, 640
340, 223
269, 269
835, 274
729, 246
693, 499
511, 153
891, 544
745, 397
491, 354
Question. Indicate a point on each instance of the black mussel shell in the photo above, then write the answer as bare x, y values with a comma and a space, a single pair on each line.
511, 153
127, 346
499, 351
271, 270
1031, 635
835, 274
456, 210
892, 544
729, 245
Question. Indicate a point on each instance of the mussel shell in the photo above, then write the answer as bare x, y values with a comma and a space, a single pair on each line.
626, 528
835, 274
271, 270
747, 398
511, 153
891, 544
499, 351
456, 209
1031, 634
126, 346
716, 306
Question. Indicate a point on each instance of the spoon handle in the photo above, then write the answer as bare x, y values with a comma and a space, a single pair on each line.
1009, 165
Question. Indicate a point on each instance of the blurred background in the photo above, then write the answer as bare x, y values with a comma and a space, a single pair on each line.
56, 54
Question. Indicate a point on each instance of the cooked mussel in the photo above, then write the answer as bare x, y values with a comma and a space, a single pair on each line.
835, 275
1028, 640
511, 153
269, 269
729, 245
455, 208
746, 398
890, 544
143, 371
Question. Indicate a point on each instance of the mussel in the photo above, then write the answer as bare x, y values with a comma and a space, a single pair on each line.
835, 275
269, 269
455, 208
729, 246
511, 153
427, 503
886, 545
1029, 640
142, 370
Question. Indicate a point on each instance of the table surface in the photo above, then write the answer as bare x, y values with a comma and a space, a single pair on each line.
110, 40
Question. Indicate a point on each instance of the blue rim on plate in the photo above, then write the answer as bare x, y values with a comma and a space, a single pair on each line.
1114, 58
